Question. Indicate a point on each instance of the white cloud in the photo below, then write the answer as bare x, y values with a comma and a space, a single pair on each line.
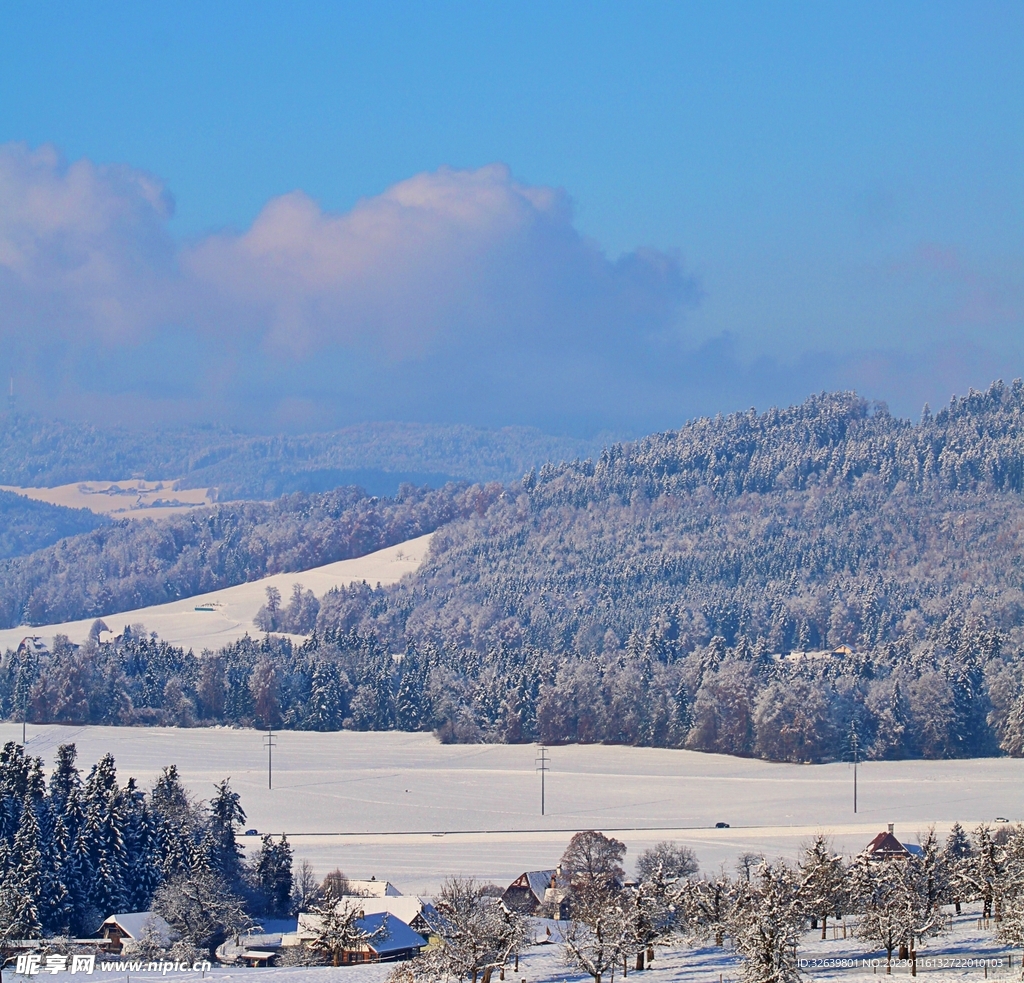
84, 250
464, 289
452, 257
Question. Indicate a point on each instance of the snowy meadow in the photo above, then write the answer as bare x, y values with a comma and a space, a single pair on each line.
403, 807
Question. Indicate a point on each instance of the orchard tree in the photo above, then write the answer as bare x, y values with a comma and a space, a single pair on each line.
599, 934
666, 863
202, 908
879, 888
592, 862
765, 924
822, 890
708, 904
478, 933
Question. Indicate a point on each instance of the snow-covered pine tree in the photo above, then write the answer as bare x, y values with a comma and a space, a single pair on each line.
272, 875
326, 708
956, 854
226, 816
142, 873
337, 931
23, 880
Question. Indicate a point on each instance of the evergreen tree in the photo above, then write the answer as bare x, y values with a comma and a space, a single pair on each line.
226, 817
24, 877
955, 854
409, 701
325, 709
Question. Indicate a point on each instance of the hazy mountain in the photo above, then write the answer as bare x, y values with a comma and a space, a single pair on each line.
376, 456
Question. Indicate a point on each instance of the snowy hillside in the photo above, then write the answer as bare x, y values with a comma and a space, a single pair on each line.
220, 617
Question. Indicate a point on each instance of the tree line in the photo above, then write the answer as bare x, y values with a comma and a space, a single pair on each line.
27, 525
76, 848
40, 452
960, 694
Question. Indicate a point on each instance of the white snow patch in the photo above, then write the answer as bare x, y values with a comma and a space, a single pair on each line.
132, 499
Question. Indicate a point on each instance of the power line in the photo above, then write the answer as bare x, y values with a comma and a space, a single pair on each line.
542, 767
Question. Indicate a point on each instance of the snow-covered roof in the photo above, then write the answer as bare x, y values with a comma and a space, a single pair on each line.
373, 889
406, 906
539, 881
395, 937
885, 846
133, 925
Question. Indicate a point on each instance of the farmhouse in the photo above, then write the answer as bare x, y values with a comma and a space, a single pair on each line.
388, 939
131, 926
32, 645
535, 888
885, 846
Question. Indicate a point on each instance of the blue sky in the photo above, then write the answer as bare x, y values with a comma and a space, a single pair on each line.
606, 216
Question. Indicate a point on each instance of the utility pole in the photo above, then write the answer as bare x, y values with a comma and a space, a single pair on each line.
542, 767
268, 743
854, 745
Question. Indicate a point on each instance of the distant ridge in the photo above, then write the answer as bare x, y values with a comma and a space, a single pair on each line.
376, 456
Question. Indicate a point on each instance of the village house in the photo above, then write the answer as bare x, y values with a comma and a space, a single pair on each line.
885, 846
388, 938
535, 890
132, 926
372, 889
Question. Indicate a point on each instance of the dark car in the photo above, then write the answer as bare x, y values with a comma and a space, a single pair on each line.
721, 825
252, 832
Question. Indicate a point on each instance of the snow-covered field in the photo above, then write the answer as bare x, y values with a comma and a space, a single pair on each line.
132, 499
234, 608
406, 808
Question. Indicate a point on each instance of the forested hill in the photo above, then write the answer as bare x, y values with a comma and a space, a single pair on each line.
977, 442
827, 524
823, 524
133, 564
27, 526
791, 585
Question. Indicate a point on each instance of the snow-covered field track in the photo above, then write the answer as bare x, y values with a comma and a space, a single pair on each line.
404, 807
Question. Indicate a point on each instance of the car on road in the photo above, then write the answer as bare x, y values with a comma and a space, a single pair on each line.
252, 832
721, 825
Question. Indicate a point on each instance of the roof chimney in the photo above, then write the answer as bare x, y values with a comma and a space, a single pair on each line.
890, 827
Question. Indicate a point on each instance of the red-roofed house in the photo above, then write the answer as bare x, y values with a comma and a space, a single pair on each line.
885, 846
